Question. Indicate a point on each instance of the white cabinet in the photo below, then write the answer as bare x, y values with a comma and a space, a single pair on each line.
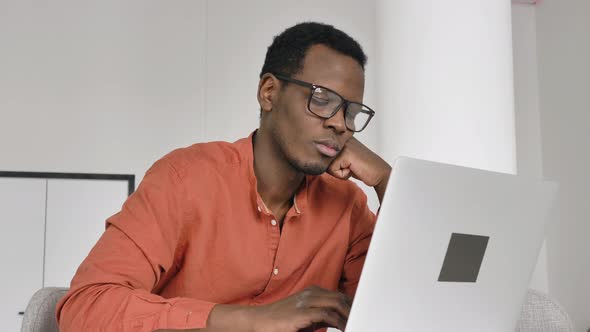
49, 223
22, 220
76, 214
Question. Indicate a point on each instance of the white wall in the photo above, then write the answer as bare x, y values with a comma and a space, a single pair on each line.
102, 86
111, 86
563, 51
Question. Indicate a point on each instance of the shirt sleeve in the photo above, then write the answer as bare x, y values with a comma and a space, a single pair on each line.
362, 225
141, 249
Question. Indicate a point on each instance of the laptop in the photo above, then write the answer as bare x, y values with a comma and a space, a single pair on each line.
453, 250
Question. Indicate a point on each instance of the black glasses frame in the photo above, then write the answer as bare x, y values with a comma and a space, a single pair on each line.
344, 101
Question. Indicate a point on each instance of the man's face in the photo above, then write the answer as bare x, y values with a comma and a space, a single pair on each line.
310, 143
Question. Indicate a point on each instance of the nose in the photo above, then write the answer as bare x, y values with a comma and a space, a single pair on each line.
337, 122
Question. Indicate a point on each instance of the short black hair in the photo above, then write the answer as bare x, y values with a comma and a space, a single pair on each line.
286, 53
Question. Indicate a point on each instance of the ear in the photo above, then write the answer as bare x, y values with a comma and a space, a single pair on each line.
268, 88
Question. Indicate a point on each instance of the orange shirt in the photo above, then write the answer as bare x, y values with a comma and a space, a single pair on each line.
196, 233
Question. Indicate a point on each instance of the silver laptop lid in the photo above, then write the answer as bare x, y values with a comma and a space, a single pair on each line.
453, 250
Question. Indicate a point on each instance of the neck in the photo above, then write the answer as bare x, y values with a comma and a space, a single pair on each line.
277, 180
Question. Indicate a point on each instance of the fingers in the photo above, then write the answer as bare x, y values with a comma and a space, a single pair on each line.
343, 174
313, 307
318, 291
340, 168
338, 305
319, 298
325, 316
358, 161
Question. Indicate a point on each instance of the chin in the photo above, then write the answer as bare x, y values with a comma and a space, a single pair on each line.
315, 170
310, 167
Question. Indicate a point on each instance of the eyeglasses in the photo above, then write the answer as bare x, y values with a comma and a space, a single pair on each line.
325, 103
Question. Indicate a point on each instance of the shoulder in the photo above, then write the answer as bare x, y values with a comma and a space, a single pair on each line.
205, 157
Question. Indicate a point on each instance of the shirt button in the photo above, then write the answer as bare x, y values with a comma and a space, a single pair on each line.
273, 222
275, 271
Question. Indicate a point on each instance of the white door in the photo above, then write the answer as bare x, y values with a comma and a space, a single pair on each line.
22, 220
76, 214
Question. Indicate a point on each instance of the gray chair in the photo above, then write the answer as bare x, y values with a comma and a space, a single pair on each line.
542, 313
40, 313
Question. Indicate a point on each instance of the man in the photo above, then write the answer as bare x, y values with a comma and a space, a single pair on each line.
264, 234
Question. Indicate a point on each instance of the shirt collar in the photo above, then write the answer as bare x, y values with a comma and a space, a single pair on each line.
247, 152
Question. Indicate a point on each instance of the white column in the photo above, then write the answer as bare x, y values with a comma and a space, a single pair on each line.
527, 116
446, 82
446, 87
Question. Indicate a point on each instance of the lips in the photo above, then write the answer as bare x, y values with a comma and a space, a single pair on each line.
327, 148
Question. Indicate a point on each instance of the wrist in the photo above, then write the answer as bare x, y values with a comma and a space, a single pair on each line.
382, 185
225, 317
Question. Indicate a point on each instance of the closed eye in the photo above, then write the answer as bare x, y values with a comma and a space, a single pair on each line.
319, 101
